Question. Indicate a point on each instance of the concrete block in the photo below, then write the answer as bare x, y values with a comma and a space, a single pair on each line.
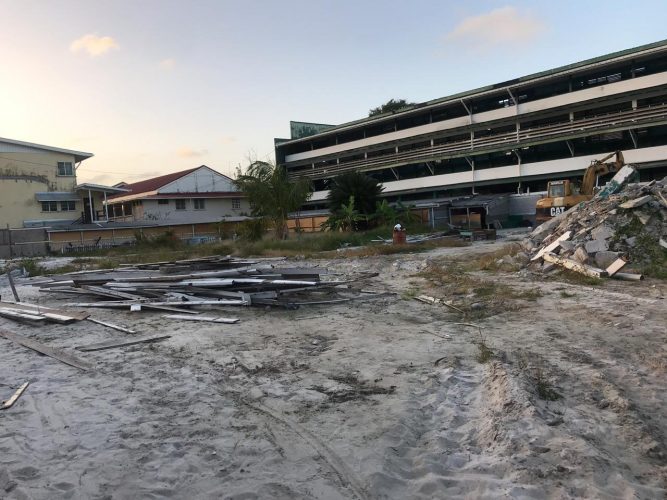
594, 246
580, 255
604, 259
602, 232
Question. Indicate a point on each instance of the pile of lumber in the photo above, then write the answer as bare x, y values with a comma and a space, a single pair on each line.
227, 282
623, 227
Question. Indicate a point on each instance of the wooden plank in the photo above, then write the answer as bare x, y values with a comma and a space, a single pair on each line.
20, 315
11, 283
211, 319
551, 247
106, 292
68, 316
182, 303
110, 325
111, 344
10, 402
573, 265
59, 354
616, 266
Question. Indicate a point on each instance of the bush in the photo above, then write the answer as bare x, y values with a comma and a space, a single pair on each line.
252, 229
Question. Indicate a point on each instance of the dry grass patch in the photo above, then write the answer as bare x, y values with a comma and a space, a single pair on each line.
477, 296
498, 260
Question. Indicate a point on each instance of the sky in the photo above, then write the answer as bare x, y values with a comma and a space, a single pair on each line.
152, 87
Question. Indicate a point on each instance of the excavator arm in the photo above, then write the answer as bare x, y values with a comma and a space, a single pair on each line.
599, 167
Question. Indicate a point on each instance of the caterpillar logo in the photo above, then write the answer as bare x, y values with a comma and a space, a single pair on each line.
557, 210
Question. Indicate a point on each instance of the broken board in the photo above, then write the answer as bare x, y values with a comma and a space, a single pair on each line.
59, 354
210, 319
111, 344
10, 402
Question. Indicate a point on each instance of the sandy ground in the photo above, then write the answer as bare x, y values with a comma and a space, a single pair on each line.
347, 400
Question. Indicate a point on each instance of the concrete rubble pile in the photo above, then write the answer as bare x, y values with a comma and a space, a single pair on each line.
623, 227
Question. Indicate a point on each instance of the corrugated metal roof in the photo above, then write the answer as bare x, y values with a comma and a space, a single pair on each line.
99, 187
155, 183
57, 196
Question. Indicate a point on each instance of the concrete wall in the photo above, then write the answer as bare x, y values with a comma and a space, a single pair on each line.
22, 174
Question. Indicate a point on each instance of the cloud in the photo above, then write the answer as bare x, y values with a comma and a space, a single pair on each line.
191, 153
167, 64
94, 45
228, 139
505, 25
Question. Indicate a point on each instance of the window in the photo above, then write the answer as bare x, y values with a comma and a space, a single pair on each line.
67, 206
49, 206
163, 202
199, 204
180, 204
236, 203
65, 168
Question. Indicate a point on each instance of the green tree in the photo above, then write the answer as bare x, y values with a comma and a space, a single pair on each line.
385, 214
271, 194
391, 106
364, 189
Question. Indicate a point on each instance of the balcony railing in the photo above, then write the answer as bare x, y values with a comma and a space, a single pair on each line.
650, 115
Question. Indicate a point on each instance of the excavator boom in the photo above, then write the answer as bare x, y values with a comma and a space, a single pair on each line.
597, 168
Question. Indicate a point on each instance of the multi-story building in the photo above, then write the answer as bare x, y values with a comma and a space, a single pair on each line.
38, 187
508, 137
194, 196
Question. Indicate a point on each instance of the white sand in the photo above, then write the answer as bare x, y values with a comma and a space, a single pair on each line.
184, 419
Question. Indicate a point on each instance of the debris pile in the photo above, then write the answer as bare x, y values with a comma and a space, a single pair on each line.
178, 286
624, 224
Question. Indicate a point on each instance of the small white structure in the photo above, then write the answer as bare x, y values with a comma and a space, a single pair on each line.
198, 195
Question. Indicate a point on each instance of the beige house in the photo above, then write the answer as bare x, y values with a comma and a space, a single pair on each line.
38, 187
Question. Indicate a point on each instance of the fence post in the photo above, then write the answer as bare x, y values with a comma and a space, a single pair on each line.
9, 237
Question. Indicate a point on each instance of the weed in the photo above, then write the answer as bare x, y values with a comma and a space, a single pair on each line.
410, 293
32, 267
580, 279
533, 367
484, 353
532, 294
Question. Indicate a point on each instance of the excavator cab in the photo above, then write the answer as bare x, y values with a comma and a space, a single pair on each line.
558, 189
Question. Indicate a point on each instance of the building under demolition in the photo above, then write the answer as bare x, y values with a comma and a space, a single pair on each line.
511, 137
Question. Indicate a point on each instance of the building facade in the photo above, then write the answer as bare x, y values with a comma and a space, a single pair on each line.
198, 195
511, 137
38, 186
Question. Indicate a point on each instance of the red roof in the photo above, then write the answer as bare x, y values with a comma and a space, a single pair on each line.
155, 183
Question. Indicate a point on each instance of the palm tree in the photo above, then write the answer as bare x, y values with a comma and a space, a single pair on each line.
363, 188
271, 194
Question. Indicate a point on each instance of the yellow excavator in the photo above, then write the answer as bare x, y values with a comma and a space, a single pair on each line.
562, 195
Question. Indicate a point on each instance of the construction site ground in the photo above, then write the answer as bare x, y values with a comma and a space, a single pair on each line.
561, 395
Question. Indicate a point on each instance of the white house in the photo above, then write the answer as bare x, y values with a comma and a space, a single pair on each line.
198, 195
